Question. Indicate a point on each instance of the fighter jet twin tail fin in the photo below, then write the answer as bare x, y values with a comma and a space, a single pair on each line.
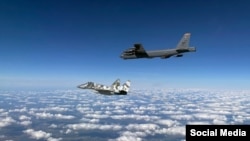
124, 88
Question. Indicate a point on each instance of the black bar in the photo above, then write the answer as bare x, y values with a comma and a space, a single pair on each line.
222, 132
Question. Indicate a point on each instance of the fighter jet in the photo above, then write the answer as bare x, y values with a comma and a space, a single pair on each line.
139, 52
114, 89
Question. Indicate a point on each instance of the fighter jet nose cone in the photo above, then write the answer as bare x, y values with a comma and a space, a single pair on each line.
82, 86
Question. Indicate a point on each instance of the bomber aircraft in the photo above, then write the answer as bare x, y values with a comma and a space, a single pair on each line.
138, 51
114, 89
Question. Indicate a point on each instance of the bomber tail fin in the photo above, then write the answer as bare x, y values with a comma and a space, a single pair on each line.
184, 42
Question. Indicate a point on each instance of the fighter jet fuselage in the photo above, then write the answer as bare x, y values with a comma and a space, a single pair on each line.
139, 52
114, 89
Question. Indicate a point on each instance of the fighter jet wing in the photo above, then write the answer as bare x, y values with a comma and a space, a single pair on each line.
139, 48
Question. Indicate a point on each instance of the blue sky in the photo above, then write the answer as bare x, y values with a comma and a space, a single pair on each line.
60, 44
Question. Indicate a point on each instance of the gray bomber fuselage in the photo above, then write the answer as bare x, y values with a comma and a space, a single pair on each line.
137, 51
166, 53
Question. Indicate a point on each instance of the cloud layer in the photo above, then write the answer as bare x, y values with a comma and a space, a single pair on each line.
141, 115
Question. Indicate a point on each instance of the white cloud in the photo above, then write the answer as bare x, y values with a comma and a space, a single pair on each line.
198, 122
140, 131
25, 123
135, 133
120, 111
58, 109
94, 120
127, 138
23, 117
238, 119
24, 109
83, 109
45, 115
120, 103
60, 116
177, 130
208, 116
108, 113
172, 111
97, 116
182, 117
54, 139
68, 131
6, 121
217, 121
135, 117
90, 120
136, 111
37, 134
40, 135
54, 108
90, 126
53, 126
147, 126
147, 108
168, 122
4, 114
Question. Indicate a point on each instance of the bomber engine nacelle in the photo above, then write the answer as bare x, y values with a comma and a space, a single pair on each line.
164, 57
179, 55
129, 51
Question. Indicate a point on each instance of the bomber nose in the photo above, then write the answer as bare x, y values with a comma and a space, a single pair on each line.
121, 56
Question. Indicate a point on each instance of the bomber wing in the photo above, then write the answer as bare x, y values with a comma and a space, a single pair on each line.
139, 48
137, 51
